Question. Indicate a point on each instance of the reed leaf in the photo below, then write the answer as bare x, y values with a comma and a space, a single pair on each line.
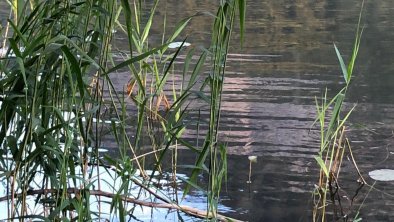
342, 64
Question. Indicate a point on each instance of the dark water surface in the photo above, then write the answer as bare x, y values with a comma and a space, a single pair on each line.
269, 103
287, 60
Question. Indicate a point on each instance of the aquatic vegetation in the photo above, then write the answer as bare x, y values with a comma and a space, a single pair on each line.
334, 143
59, 102
252, 159
382, 175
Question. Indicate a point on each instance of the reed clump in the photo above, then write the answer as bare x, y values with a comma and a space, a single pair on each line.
58, 102
334, 145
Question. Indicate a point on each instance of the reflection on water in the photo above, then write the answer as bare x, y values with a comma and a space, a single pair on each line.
268, 102
110, 182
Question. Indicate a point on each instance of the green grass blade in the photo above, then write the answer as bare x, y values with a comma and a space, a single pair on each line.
129, 26
61, 38
197, 69
140, 123
356, 42
342, 64
199, 165
15, 48
242, 12
322, 165
166, 72
148, 25
18, 32
134, 59
75, 69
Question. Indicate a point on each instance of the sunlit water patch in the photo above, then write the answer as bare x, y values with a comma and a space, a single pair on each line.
106, 183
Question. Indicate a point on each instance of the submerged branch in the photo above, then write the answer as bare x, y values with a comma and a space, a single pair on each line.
186, 209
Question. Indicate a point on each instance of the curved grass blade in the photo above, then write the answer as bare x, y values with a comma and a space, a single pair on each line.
134, 59
75, 69
342, 64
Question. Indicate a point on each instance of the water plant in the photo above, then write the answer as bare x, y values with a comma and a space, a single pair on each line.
252, 159
59, 102
212, 148
331, 119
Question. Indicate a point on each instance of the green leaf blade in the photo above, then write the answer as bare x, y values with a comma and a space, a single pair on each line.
342, 64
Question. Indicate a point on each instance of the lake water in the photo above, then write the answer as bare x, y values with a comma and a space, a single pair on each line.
287, 60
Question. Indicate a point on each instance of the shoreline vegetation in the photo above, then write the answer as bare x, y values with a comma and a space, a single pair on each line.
331, 202
58, 102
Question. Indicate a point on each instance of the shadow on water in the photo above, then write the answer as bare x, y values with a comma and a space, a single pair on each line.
287, 60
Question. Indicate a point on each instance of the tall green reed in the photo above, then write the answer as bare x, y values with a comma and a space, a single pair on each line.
333, 141
54, 75
212, 148
48, 103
